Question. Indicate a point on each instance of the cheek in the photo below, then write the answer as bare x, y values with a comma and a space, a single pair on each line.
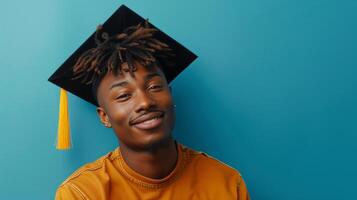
119, 114
167, 104
165, 100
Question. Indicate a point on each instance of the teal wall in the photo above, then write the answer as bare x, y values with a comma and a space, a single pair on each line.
273, 92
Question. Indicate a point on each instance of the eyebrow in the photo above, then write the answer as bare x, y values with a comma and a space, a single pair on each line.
120, 84
125, 83
150, 76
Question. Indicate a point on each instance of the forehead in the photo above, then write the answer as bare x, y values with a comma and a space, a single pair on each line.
139, 74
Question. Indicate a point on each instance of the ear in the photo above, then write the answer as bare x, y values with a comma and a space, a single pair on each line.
103, 117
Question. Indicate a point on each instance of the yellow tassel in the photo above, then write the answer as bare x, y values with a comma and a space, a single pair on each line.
63, 135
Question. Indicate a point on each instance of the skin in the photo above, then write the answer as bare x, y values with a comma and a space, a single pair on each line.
123, 98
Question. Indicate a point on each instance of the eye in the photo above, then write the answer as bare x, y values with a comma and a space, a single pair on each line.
123, 97
155, 87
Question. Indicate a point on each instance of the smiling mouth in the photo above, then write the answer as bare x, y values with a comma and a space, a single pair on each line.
148, 121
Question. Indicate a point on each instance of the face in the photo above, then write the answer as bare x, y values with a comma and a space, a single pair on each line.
139, 108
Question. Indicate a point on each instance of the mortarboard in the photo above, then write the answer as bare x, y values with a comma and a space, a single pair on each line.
122, 18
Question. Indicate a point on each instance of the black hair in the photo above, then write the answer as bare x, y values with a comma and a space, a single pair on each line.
134, 44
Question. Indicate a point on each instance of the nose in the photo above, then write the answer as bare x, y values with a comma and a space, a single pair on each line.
145, 102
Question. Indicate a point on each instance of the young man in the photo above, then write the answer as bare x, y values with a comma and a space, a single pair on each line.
126, 75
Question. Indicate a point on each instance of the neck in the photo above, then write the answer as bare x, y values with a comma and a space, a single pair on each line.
155, 163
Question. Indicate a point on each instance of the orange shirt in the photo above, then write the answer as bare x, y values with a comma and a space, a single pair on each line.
195, 176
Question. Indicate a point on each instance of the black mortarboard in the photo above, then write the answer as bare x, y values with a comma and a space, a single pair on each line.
122, 18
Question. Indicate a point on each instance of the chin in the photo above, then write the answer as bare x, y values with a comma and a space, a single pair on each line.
155, 139
152, 139
146, 139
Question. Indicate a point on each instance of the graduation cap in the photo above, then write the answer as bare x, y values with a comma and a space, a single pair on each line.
66, 76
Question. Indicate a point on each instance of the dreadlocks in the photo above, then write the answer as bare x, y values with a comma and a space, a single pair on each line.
135, 43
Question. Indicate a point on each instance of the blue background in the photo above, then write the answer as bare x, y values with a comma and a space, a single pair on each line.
273, 92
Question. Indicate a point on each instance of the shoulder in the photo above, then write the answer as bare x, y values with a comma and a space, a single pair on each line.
211, 166
90, 177
92, 168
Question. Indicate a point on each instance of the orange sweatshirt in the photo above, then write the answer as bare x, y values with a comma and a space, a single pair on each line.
195, 176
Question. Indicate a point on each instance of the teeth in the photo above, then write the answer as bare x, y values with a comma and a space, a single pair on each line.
150, 120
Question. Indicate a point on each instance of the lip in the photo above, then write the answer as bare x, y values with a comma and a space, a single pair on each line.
149, 124
148, 121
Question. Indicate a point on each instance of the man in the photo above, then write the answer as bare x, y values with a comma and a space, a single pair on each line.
127, 73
